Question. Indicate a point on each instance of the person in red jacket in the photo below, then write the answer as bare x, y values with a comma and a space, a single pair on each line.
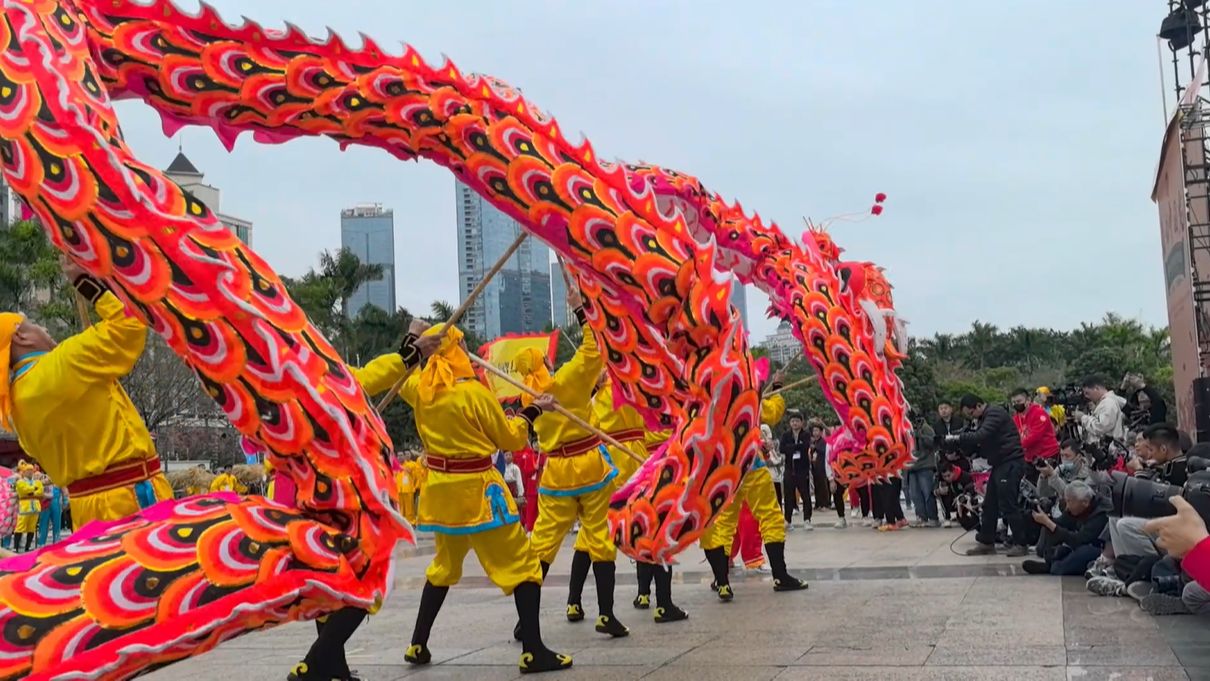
527, 461
1038, 437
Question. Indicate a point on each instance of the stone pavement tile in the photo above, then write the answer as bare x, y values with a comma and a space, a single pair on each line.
711, 673
1125, 654
732, 655
1126, 674
856, 654
1191, 653
1198, 673
923, 674
997, 654
451, 673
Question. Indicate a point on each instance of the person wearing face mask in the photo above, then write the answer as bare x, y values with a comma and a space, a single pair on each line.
1052, 480
1037, 432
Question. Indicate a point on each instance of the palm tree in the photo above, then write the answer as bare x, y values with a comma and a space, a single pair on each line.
442, 311
981, 343
347, 273
1025, 345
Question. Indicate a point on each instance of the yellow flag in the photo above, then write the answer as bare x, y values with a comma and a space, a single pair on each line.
503, 350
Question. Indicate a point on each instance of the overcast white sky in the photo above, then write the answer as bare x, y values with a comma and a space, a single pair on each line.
1016, 141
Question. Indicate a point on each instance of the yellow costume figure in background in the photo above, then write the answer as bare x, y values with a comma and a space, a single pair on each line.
624, 424
577, 480
226, 482
72, 415
465, 502
757, 490
29, 500
405, 481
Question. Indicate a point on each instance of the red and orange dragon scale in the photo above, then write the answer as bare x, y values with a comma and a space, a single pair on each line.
651, 248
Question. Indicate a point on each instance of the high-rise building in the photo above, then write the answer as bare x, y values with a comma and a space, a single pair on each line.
558, 297
518, 298
188, 177
739, 298
6, 205
368, 230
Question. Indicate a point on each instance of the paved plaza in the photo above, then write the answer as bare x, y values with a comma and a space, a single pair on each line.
881, 607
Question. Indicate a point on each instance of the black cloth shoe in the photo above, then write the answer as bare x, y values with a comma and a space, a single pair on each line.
1036, 567
575, 612
535, 656
642, 602
544, 661
782, 579
302, 672
670, 613
607, 624
418, 653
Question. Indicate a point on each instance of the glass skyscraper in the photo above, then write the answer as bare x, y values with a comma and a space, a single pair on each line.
518, 299
368, 230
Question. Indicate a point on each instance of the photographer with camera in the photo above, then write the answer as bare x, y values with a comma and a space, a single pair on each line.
1144, 404
1107, 418
1071, 542
998, 441
1072, 467
1184, 536
1134, 551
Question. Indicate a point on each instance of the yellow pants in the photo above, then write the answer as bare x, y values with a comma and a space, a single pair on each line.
627, 467
26, 522
504, 553
557, 514
407, 504
114, 504
756, 489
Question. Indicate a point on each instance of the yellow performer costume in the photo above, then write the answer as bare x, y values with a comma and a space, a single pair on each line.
466, 503
406, 479
577, 480
29, 501
757, 490
72, 415
226, 482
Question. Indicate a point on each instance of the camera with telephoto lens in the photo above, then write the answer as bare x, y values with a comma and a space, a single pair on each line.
1070, 397
1134, 496
1031, 500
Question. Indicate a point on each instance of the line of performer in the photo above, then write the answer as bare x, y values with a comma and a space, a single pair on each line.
106, 458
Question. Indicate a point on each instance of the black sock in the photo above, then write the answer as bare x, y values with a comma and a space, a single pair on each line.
720, 564
580, 564
528, 597
663, 585
645, 572
326, 658
605, 573
777, 559
431, 599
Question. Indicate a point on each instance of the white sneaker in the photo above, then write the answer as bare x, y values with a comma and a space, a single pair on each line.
947, 524
867, 522
856, 513
808, 526
842, 523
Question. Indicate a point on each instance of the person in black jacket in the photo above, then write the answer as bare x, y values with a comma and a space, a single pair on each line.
796, 450
1073, 541
996, 438
947, 423
819, 467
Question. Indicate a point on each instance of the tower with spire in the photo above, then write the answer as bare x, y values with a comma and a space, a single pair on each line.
188, 177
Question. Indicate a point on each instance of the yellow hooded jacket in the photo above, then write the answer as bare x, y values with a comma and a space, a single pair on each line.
457, 417
572, 386
625, 425
74, 418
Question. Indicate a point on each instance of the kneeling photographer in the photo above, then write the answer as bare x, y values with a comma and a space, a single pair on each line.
1072, 541
1135, 500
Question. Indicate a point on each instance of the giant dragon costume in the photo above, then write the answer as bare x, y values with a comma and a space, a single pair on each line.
647, 244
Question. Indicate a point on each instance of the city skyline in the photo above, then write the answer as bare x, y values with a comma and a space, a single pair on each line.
368, 231
518, 298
